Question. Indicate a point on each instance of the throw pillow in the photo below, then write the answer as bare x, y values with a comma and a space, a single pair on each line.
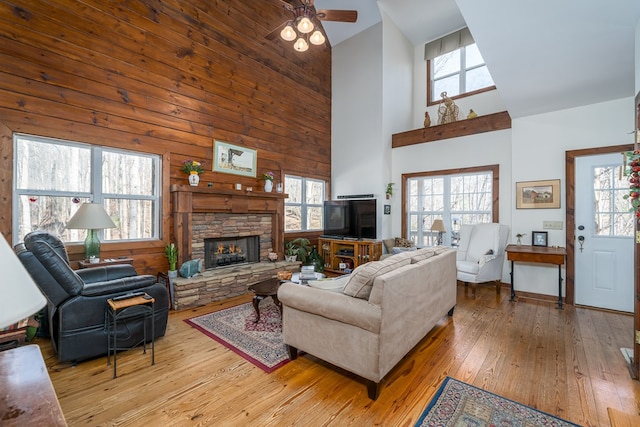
403, 243
191, 268
361, 281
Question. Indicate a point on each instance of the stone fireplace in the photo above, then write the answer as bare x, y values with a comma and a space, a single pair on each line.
210, 224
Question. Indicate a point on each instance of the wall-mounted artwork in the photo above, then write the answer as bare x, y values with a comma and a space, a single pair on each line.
234, 159
538, 194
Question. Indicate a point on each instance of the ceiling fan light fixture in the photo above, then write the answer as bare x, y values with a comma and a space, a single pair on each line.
288, 33
317, 38
301, 45
305, 25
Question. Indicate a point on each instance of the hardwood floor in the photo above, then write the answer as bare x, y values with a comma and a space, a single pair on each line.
564, 362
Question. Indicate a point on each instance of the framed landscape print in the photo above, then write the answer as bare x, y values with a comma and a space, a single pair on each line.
234, 159
538, 194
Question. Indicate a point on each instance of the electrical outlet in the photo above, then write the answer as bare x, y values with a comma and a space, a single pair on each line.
552, 225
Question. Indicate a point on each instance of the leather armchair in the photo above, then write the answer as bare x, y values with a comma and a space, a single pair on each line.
480, 256
77, 299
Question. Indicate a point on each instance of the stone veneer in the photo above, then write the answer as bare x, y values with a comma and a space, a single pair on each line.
223, 283
215, 225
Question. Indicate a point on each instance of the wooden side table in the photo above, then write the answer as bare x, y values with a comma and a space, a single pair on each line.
137, 306
537, 254
28, 397
105, 262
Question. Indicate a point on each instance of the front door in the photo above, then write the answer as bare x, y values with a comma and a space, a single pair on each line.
604, 234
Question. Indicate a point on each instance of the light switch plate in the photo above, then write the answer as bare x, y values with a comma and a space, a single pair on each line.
552, 225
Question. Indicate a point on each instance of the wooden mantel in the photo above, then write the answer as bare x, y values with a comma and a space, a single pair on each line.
187, 200
480, 124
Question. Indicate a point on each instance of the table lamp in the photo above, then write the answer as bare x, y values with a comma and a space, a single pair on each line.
20, 295
92, 217
438, 226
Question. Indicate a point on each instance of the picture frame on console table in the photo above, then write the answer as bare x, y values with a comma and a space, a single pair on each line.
539, 238
538, 194
234, 159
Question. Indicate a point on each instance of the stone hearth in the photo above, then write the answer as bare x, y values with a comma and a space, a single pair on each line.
218, 284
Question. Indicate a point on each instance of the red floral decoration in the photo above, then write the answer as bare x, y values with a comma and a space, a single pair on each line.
633, 172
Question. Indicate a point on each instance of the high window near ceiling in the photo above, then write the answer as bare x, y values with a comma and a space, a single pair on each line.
304, 208
455, 66
463, 196
52, 178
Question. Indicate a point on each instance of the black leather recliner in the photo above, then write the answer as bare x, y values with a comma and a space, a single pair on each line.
77, 299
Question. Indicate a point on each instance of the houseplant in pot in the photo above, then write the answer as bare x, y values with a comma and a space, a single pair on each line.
171, 251
297, 249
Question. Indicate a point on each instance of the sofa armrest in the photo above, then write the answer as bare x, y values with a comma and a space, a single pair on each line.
331, 305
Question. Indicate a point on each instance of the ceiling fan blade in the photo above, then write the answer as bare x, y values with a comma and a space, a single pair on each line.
276, 31
338, 15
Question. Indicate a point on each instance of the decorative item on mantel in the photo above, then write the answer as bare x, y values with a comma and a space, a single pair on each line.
447, 111
268, 181
193, 169
427, 119
472, 114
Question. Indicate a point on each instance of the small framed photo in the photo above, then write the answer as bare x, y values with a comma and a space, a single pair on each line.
539, 238
387, 209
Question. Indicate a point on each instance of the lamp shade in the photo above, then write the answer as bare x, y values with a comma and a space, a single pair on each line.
90, 216
438, 225
20, 297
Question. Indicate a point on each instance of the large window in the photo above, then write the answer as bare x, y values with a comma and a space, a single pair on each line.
459, 72
456, 198
52, 178
304, 207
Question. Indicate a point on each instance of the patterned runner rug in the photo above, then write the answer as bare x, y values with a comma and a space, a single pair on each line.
260, 343
460, 404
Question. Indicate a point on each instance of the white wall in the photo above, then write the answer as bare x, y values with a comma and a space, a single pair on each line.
638, 57
357, 154
538, 147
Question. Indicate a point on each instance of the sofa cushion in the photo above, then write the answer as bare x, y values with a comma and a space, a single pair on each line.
400, 249
335, 284
361, 280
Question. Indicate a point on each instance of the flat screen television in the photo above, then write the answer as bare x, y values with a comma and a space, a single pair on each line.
354, 219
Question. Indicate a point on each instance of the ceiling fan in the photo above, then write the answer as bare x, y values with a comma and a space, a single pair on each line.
305, 25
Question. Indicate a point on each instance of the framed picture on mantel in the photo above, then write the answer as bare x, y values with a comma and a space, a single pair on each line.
234, 159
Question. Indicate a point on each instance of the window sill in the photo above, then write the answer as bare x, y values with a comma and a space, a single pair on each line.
464, 127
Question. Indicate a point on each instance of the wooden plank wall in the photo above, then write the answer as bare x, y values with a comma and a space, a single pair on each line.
165, 77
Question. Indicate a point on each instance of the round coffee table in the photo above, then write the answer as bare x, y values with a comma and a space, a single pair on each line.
264, 289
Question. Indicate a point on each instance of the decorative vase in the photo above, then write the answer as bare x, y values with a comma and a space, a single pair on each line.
427, 119
194, 178
172, 274
268, 185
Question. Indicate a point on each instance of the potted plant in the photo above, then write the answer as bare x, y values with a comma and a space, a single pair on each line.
171, 251
297, 249
519, 236
268, 181
193, 169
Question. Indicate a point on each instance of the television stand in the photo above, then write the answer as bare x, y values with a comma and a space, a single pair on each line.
347, 253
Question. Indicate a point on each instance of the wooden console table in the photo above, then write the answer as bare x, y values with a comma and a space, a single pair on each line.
537, 254
27, 397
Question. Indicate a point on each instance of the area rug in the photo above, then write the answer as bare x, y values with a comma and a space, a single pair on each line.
460, 404
260, 343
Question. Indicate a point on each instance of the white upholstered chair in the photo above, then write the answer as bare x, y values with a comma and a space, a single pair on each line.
480, 256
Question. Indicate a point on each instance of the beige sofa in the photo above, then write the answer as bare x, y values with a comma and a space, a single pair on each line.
384, 310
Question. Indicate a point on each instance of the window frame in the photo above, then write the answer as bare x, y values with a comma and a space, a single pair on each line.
494, 169
463, 71
96, 194
303, 205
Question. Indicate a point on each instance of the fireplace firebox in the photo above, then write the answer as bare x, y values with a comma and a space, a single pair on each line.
228, 251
